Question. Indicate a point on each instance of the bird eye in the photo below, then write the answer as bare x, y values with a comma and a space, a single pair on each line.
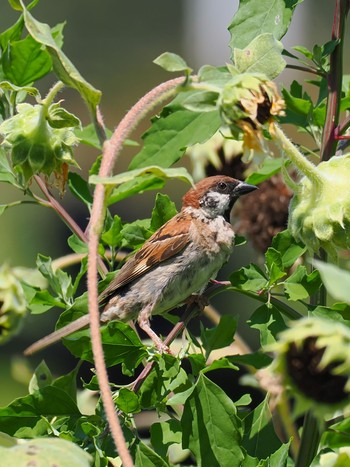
222, 186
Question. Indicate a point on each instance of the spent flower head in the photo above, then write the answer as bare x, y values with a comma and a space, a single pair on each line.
249, 103
313, 359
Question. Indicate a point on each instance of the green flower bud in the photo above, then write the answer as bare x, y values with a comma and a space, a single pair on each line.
313, 358
40, 139
320, 209
13, 305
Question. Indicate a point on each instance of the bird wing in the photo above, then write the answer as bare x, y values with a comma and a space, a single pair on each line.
166, 242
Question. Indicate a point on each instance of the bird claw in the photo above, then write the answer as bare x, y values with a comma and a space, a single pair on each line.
198, 299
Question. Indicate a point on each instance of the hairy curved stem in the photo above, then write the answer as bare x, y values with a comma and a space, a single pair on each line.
111, 151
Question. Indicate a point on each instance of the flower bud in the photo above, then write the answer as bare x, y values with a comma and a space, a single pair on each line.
39, 143
313, 358
319, 212
337, 458
13, 305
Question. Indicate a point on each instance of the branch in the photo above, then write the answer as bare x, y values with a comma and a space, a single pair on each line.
111, 151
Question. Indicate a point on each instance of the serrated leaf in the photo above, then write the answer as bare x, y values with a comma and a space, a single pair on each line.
289, 249
43, 301
62, 66
172, 62
113, 236
120, 345
164, 209
210, 425
25, 61
301, 285
136, 233
28, 410
249, 278
175, 129
255, 17
262, 55
274, 265
128, 401
260, 439
59, 280
220, 336
336, 280
269, 322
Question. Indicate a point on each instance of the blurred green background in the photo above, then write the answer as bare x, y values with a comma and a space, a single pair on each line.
113, 43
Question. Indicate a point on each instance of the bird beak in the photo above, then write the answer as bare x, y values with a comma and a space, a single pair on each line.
244, 188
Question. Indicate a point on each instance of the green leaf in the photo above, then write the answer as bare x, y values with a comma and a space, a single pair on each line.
77, 245
301, 285
220, 336
43, 301
257, 360
58, 117
269, 322
210, 425
134, 187
25, 61
336, 280
3, 207
172, 62
201, 101
289, 249
219, 364
11, 34
6, 174
59, 280
44, 452
179, 172
146, 457
87, 135
337, 435
164, 209
175, 129
28, 410
62, 66
7, 86
128, 401
164, 434
262, 55
120, 345
113, 236
274, 265
255, 17
260, 439
280, 457
250, 279
269, 167
41, 378
79, 188
136, 233
68, 382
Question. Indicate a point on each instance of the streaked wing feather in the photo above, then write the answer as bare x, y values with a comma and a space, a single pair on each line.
165, 243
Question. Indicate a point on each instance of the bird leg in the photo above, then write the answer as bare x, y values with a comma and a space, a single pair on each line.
143, 321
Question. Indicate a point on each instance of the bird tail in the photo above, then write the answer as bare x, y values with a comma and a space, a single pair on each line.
57, 335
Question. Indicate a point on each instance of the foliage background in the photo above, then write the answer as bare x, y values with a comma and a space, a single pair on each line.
113, 45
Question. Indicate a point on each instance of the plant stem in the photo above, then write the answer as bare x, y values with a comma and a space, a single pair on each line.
111, 151
334, 82
309, 441
52, 94
298, 159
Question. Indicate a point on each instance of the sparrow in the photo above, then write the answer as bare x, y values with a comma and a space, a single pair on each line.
178, 260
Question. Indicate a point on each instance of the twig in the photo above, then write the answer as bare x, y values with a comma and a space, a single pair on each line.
111, 151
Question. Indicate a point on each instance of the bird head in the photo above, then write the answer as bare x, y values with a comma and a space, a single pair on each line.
215, 196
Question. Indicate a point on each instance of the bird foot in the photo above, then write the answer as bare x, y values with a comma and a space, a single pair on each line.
198, 299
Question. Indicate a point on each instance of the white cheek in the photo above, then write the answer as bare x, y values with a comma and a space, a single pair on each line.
217, 203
